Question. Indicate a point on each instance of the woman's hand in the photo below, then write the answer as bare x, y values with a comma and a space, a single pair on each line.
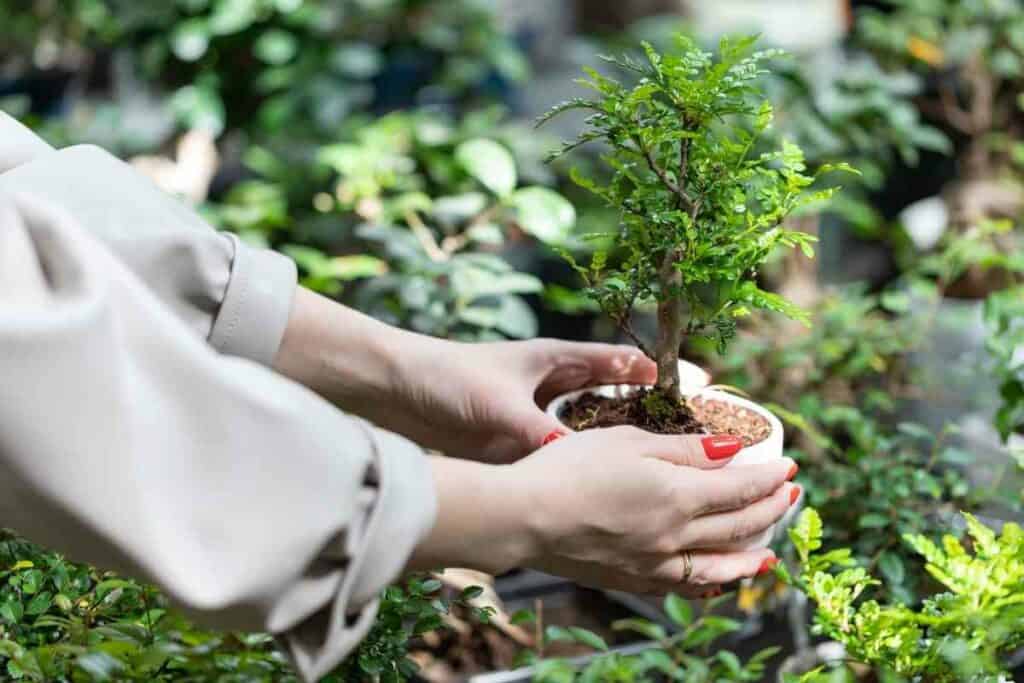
611, 508
482, 401
478, 401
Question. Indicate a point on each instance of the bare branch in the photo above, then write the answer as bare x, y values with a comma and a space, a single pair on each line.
425, 237
624, 324
648, 155
951, 111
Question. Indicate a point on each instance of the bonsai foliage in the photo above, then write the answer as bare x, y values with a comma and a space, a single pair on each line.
700, 212
956, 635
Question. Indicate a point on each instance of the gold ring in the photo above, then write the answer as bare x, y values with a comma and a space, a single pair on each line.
687, 566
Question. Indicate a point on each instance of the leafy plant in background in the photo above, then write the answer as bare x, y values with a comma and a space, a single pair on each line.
62, 622
974, 54
1004, 313
440, 205
700, 215
958, 634
300, 65
690, 654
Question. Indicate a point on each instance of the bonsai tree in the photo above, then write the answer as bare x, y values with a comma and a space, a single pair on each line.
700, 211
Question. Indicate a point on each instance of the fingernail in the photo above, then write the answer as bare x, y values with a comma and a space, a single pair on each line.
767, 565
794, 494
553, 436
792, 472
722, 446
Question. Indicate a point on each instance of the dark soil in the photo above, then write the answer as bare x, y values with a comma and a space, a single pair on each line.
698, 416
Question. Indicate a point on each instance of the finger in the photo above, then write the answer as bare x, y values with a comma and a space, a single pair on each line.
710, 569
704, 451
574, 365
734, 488
734, 527
533, 428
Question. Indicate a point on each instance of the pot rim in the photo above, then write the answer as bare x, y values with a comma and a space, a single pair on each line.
554, 406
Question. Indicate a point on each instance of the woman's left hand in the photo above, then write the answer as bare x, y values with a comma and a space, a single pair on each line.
484, 401
478, 401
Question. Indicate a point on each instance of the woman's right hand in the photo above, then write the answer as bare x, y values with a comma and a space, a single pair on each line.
611, 508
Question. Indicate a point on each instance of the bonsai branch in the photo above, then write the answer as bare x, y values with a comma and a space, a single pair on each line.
676, 188
625, 325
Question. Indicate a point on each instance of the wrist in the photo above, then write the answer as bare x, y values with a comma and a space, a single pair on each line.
345, 356
482, 520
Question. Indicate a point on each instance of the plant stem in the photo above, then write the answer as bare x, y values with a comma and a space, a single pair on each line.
670, 328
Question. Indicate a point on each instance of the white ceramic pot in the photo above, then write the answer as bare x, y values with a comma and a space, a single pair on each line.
694, 383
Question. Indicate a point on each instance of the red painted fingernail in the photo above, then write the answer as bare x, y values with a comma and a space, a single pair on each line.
553, 436
721, 446
794, 494
767, 566
792, 472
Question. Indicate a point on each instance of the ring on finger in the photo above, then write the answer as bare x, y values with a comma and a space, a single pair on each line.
687, 566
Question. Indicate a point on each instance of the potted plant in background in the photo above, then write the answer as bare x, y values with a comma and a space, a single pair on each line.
972, 56
700, 214
965, 631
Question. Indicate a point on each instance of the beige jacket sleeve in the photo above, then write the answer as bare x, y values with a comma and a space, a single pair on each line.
236, 296
127, 442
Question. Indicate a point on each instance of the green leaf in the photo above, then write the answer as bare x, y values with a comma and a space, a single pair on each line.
276, 47
190, 40
523, 616
873, 520
39, 603
544, 213
588, 638
490, 163
806, 535
471, 593
891, 566
232, 16
678, 610
646, 628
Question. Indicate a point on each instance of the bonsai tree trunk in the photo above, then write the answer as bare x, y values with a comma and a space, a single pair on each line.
670, 329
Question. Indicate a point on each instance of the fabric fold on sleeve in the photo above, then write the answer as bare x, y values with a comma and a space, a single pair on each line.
129, 443
18, 144
235, 295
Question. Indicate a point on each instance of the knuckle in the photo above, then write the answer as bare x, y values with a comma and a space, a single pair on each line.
741, 528
665, 545
750, 492
687, 503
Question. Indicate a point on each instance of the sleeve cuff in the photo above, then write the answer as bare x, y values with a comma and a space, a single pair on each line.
257, 303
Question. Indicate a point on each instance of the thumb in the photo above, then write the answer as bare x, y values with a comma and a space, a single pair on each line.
534, 428
703, 451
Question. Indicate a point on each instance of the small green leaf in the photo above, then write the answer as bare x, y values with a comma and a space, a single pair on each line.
588, 638
471, 593
523, 616
678, 610
190, 40
490, 163
544, 213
